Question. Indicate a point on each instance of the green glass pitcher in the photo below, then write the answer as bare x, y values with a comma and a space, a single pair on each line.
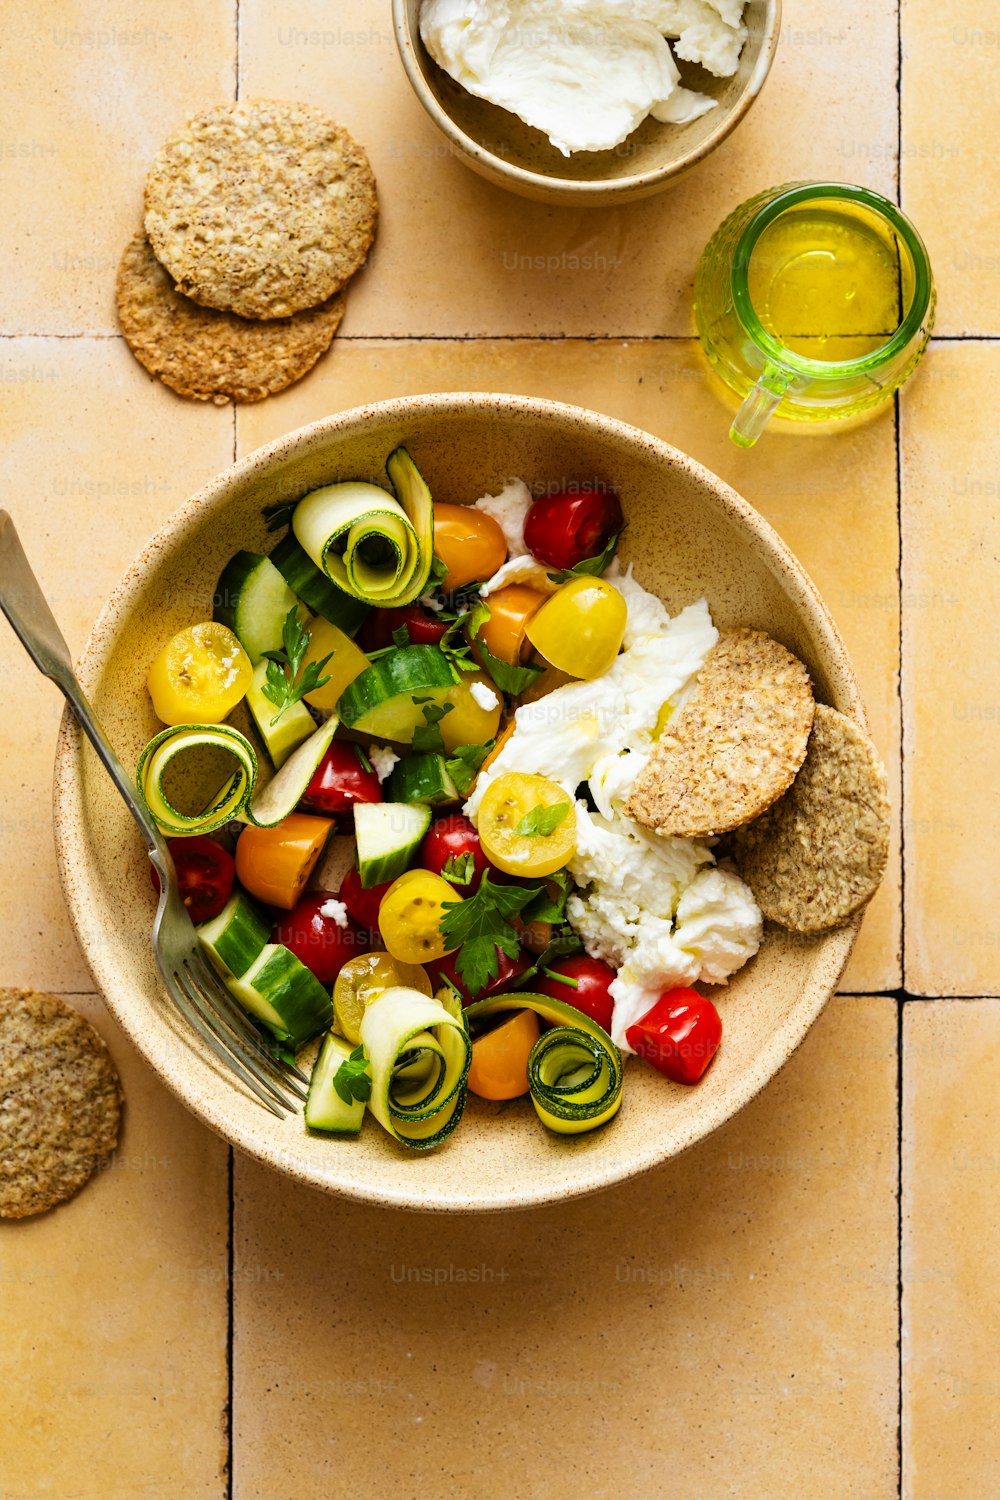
813, 301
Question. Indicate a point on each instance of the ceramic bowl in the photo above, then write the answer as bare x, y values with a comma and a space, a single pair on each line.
688, 535
500, 147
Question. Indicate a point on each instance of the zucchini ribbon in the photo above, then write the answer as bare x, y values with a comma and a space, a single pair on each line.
420, 1057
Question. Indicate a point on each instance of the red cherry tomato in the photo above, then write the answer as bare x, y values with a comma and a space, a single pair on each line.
449, 838
679, 1036
316, 940
591, 995
341, 780
422, 625
447, 969
362, 905
205, 874
575, 524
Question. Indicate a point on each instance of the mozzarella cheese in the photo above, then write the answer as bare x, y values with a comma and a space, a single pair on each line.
509, 510
586, 72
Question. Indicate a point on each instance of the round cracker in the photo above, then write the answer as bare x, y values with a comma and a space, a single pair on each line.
818, 855
736, 744
60, 1102
261, 208
210, 355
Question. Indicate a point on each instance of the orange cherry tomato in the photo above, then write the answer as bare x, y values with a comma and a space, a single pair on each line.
274, 864
500, 1057
510, 610
469, 543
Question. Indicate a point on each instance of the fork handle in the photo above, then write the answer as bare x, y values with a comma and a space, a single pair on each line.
27, 609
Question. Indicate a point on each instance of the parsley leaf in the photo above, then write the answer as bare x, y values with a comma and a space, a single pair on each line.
512, 680
401, 635
459, 869
279, 515
479, 925
541, 821
591, 567
550, 905
559, 946
287, 681
464, 764
352, 1079
468, 615
427, 737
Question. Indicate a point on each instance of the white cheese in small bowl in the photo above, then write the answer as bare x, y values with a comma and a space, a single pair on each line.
586, 72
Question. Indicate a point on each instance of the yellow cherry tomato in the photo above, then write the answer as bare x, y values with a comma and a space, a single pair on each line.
274, 864
346, 662
511, 608
199, 676
580, 628
469, 543
409, 917
518, 825
500, 1057
470, 721
362, 980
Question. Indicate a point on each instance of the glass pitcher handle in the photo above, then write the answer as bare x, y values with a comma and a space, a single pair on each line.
758, 408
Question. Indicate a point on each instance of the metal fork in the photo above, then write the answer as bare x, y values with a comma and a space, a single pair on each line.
191, 983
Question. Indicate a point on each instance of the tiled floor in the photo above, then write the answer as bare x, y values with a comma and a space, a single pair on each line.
192, 1326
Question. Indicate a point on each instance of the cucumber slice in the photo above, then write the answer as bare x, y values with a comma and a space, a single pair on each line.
236, 937
280, 991
388, 835
422, 778
420, 1057
305, 579
380, 700
253, 599
295, 725
285, 790
325, 1110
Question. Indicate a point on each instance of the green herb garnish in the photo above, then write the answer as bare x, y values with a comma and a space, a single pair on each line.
463, 765
480, 924
541, 821
352, 1079
427, 737
459, 869
287, 680
512, 680
589, 567
279, 515
574, 984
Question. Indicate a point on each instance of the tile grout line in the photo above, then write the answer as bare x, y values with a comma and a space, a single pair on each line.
901, 1002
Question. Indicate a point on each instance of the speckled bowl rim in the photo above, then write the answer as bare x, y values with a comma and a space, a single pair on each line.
604, 190
70, 828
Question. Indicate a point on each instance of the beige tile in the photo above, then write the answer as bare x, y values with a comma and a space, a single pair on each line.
832, 497
951, 1242
456, 255
113, 1315
951, 510
90, 93
723, 1327
950, 119
93, 456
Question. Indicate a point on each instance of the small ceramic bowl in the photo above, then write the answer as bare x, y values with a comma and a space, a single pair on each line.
689, 535
499, 146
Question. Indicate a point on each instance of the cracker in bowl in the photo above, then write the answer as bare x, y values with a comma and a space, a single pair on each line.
261, 208
60, 1102
818, 855
734, 746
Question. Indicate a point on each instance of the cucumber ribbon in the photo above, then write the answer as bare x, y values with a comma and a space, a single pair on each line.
420, 1057
373, 545
574, 1069
178, 749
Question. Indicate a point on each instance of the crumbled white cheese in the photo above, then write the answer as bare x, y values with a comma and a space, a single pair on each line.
509, 510
383, 759
431, 602
586, 72
335, 910
523, 569
484, 696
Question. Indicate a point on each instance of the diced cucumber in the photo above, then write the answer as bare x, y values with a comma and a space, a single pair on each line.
383, 699
388, 835
319, 592
295, 725
325, 1110
253, 599
280, 991
422, 778
236, 937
